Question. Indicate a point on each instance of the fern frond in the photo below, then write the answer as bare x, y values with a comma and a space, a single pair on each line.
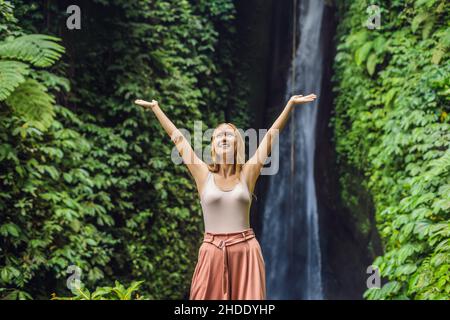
52, 81
38, 49
31, 101
12, 73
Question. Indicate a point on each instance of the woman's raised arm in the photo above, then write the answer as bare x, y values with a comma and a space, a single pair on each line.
252, 168
196, 166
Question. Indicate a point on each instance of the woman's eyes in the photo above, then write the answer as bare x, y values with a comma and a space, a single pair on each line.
221, 134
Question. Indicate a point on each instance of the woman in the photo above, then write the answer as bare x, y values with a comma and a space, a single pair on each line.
230, 264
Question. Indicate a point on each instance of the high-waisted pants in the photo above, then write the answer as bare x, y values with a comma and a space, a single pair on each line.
230, 266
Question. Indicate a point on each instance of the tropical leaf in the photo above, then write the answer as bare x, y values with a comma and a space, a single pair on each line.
421, 17
372, 63
33, 103
12, 73
362, 53
37, 49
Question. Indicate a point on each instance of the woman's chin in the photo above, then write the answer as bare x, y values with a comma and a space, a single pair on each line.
226, 159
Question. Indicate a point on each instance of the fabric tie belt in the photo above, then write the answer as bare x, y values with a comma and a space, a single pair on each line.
232, 238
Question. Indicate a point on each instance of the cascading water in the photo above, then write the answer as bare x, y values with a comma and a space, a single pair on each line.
290, 233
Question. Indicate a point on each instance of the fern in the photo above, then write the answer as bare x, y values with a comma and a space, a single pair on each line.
12, 73
28, 97
33, 103
37, 49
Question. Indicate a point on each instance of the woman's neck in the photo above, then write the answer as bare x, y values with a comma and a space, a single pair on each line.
227, 170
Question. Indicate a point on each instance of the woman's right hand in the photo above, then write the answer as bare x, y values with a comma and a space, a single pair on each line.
146, 105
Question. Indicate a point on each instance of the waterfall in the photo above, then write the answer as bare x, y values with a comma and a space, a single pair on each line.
290, 232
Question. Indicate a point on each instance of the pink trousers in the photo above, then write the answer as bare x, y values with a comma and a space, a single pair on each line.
230, 266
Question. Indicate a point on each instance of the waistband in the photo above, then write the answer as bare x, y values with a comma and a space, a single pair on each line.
231, 237
227, 233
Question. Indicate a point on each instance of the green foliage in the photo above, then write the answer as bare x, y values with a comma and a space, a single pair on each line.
31, 101
93, 185
392, 88
12, 74
51, 217
37, 49
14, 294
28, 97
118, 292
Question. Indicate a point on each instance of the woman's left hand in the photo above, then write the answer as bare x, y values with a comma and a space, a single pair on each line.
299, 99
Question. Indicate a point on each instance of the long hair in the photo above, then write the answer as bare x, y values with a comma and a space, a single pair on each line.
239, 151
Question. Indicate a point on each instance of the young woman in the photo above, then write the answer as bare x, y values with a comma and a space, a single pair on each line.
230, 263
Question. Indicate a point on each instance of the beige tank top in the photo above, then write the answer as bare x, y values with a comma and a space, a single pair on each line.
225, 211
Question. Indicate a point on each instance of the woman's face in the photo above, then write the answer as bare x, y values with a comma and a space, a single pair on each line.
224, 140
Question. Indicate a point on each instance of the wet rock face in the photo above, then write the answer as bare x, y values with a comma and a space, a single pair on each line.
265, 36
265, 45
347, 248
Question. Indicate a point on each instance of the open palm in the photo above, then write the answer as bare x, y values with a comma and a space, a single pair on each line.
146, 104
300, 99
